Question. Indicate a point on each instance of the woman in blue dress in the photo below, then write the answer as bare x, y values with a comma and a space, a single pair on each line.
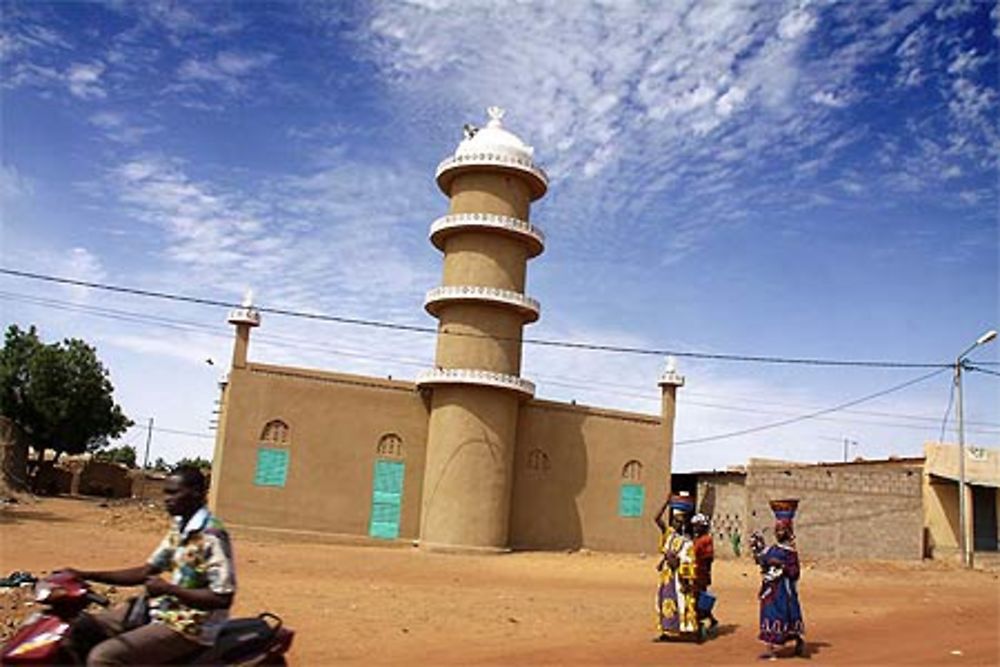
780, 612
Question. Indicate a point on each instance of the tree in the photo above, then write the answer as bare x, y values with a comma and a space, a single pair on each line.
196, 462
125, 455
159, 465
58, 393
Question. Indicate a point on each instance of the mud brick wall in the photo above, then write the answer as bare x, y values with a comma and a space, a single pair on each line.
845, 511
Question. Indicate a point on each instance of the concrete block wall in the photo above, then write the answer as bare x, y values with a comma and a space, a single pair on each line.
858, 510
723, 497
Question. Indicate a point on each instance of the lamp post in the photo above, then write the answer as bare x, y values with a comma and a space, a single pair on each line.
963, 536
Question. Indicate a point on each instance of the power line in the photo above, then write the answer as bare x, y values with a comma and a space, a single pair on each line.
174, 431
687, 403
268, 340
395, 326
982, 370
592, 386
947, 411
794, 420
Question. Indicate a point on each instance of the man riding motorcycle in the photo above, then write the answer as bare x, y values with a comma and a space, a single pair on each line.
185, 610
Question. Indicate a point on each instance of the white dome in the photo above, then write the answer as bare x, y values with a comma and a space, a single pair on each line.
494, 148
494, 138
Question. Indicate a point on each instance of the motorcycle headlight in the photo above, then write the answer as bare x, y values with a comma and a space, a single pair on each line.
45, 592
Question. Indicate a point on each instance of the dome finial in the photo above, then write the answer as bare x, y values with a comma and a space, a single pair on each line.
496, 115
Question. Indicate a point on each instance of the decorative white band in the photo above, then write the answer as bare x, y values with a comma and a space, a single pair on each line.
477, 377
522, 228
528, 307
249, 316
671, 378
539, 180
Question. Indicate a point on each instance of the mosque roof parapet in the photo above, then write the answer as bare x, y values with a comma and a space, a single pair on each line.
439, 296
246, 313
444, 226
493, 146
439, 376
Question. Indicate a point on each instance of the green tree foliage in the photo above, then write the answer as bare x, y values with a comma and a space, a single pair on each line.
196, 462
159, 465
125, 455
58, 393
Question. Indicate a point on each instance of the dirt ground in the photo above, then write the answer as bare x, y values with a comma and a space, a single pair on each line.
358, 604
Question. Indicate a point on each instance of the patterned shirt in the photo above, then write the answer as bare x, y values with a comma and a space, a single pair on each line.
195, 555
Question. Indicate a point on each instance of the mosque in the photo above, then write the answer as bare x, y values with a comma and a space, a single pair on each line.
465, 458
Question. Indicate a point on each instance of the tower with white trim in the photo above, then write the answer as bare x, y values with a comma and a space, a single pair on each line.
670, 382
476, 389
244, 318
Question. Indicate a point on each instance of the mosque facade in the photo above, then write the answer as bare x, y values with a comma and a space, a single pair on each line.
466, 457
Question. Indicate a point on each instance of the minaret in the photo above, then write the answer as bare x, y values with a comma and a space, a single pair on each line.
244, 318
476, 388
670, 382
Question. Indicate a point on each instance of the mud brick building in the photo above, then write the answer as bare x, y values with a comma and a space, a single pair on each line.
466, 457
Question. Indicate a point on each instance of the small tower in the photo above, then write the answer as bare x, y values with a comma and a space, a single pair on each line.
244, 318
670, 382
476, 388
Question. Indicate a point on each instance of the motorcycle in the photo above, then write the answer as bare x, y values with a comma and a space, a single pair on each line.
43, 639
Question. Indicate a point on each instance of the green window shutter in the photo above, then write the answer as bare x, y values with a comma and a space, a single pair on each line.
631, 500
272, 467
387, 497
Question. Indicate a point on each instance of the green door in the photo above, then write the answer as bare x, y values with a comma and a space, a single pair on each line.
387, 497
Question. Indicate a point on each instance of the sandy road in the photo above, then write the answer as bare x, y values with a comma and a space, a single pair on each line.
366, 605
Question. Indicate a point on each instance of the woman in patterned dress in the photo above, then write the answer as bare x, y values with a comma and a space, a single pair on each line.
780, 611
675, 601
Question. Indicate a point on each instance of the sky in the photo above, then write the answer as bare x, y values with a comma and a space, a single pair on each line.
786, 179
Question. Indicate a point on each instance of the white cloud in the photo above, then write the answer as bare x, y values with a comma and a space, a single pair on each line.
730, 101
954, 9
829, 99
228, 69
796, 24
701, 94
76, 263
81, 264
120, 128
84, 80
14, 185
19, 36
343, 232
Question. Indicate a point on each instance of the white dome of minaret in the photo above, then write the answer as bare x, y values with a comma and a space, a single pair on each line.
496, 146
494, 138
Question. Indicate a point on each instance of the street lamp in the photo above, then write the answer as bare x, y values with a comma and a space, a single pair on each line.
963, 540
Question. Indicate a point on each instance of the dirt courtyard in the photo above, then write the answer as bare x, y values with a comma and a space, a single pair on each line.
367, 605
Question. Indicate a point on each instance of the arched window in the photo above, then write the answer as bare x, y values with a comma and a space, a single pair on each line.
538, 461
631, 495
273, 455
275, 432
632, 471
390, 445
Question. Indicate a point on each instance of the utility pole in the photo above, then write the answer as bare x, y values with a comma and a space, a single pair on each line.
963, 541
145, 459
847, 442
963, 522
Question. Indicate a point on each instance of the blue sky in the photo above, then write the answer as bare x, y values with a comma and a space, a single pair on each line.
775, 178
